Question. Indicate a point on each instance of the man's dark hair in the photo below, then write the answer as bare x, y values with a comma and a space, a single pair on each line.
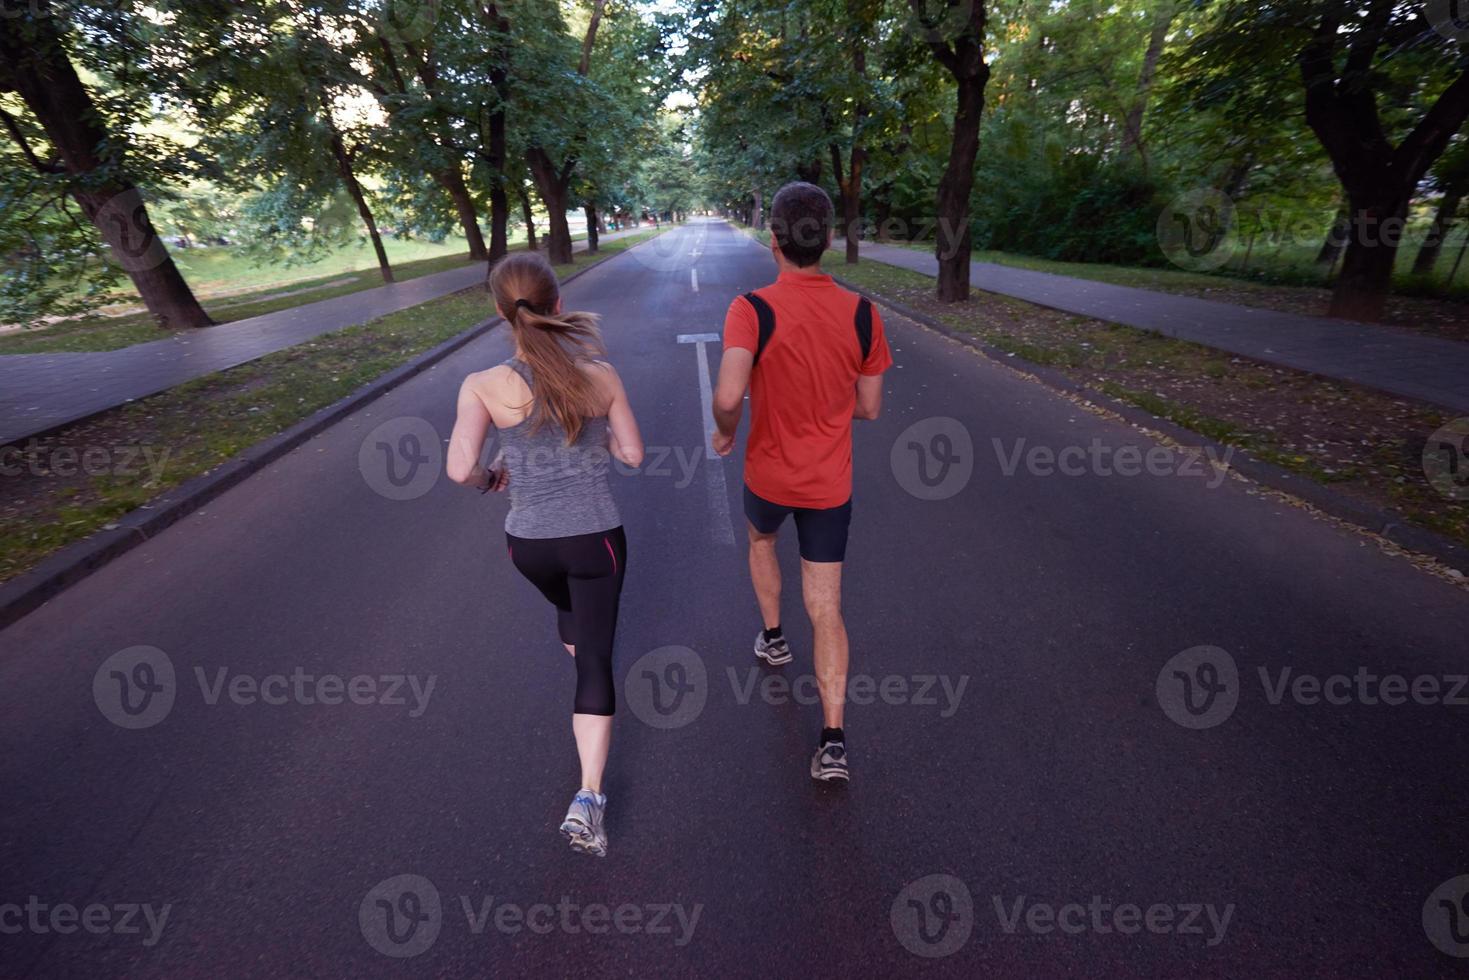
800, 219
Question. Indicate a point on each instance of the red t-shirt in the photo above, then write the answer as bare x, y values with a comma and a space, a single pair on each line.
804, 388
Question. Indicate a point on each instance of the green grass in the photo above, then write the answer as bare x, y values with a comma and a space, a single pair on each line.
1362, 441
205, 422
232, 287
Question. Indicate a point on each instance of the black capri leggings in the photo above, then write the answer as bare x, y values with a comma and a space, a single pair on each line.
582, 577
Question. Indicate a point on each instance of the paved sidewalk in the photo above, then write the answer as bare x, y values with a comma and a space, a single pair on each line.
41, 391
1420, 367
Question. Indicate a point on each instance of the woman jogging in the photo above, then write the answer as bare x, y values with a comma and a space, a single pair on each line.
559, 411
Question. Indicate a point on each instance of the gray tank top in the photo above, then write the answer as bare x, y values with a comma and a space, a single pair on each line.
557, 490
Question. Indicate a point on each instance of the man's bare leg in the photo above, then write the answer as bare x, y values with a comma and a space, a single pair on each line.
821, 586
765, 575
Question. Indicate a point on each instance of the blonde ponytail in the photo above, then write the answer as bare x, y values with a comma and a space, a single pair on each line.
554, 346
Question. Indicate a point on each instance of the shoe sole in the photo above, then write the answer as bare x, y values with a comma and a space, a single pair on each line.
830, 775
774, 661
582, 840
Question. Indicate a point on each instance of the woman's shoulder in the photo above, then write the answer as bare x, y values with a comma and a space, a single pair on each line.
495, 379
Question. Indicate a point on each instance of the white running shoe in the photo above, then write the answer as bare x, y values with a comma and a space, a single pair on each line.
583, 823
774, 652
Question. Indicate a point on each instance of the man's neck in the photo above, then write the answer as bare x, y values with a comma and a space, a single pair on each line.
798, 270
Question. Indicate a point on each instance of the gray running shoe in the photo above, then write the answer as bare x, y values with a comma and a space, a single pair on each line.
774, 652
583, 823
830, 762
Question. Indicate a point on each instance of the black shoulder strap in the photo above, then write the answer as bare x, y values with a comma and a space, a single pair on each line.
864, 326
767, 322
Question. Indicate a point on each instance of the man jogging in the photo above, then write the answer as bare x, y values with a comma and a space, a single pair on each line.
812, 355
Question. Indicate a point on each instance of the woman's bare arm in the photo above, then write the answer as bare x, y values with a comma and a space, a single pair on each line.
625, 441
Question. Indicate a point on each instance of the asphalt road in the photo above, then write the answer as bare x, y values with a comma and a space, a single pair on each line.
1015, 741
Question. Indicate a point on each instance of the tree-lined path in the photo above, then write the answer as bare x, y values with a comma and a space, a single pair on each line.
1397, 361
39, 392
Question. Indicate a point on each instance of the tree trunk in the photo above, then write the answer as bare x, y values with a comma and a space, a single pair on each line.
1365, 279
530, 221
1336, 240
500, 82
354, 188
954, 237
453, 182
1438, 232
602, 222
757, 213
1379, 178
591, 211
553, 185
1132, 137
963, 56
34, 64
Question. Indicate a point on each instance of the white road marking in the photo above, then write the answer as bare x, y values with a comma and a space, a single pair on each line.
720, 527
694, 276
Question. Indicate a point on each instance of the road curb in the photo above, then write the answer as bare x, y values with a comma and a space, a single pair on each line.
31, 589
1384, 522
